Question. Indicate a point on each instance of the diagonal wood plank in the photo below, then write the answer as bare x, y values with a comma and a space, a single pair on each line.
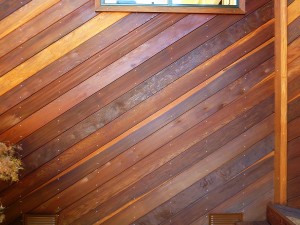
175, 185
72, 59
244, 198
8, 7
50, 54
23, 15
94, 177
37, 24
116, 69
46, 37
160, 111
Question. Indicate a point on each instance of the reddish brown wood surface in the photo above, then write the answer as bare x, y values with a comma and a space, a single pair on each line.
72, 59
293, 190
158, 118
8, 7
47, 37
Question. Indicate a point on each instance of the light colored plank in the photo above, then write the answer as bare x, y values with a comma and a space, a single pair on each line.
115, 70
65, 45
293, 11
38, 24
280, 179
23, 15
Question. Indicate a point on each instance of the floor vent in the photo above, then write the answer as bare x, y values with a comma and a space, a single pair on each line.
30, 219
225, 219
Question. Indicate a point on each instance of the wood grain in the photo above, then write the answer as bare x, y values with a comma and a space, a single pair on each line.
191, 156
202, 58
23, 15
162, 74
204, 204
197, 97
49, 55
179, 144
116, 69
161, 114
72, 59
280, 102
8, 7
243, 199
48, 36
37, 24
173, 89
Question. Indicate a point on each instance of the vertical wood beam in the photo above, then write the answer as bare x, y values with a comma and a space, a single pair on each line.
280, 185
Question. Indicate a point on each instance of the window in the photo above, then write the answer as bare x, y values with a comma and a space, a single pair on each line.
181, 6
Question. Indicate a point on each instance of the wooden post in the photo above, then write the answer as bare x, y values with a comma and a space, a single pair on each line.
280, 184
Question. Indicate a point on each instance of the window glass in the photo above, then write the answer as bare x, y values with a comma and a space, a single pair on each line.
171, 2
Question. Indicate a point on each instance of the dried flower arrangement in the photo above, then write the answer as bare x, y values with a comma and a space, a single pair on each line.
2, 216
10, 165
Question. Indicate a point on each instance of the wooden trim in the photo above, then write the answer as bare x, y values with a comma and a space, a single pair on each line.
280, 183
276, 215
177, 9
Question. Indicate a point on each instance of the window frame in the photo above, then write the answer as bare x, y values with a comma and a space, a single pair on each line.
240, 9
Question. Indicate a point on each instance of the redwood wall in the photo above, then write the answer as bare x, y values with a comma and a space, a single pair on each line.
294, 136
140, 118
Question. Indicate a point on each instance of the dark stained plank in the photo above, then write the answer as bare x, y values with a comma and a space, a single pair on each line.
183, 62
38, 24
197, 112
293, 154
141, 93
196, 98
294, 202
293, 73
257, 210
293, 167
94, 102
234, 52
61, 68
293, 30
185, 160
96, 62
243, 199
182, 142
251, 78
223, 192
72, 59
293, 45
293, 110
293, 147
47, 37
293, 187
91, 164
8, 7
117, 69
294, 88
66, 44
293, 131
208, 201
190, 156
